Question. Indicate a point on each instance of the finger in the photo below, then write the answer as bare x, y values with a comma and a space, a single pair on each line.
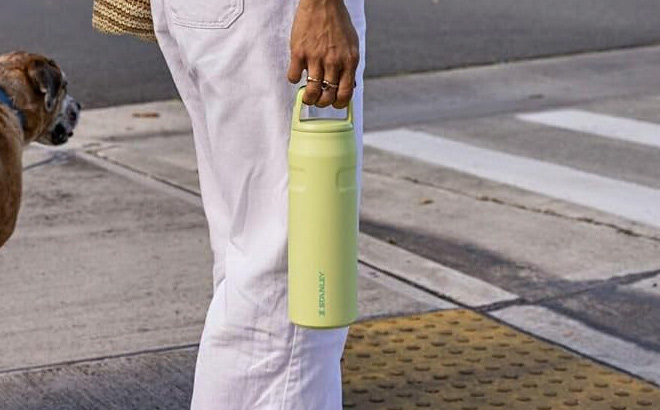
329, 87
345, 90
313, 88
296, 67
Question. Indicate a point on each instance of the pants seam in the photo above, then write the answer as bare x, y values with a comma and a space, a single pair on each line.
294, 345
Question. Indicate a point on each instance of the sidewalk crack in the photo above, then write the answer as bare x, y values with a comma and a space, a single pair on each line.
629, 279
583, 219
543, 211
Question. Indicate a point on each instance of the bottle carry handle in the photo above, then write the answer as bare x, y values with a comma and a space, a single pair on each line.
299, 105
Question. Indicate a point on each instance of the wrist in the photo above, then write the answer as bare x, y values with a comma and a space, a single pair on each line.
320, 3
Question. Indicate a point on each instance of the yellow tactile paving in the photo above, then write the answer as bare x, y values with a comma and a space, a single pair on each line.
461, 360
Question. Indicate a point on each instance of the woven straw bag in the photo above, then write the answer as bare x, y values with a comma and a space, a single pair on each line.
132, 17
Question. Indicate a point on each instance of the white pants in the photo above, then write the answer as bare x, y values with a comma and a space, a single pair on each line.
229, 60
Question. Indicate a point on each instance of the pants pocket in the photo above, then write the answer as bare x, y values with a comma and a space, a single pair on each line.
206, 14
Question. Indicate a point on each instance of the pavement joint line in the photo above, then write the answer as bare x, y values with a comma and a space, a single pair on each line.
627, 279
502, 305
402, 264
421, 297
151, 176
55, 157
168, 133
581, 219
141, 177
415, 285
483, 198
97, 359
633, 278
439, 295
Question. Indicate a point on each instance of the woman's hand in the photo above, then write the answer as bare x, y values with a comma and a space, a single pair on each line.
325, 43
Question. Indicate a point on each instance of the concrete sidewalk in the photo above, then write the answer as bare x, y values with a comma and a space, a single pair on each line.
106, 283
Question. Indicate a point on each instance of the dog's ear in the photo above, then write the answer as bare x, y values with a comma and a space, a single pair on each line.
46, 79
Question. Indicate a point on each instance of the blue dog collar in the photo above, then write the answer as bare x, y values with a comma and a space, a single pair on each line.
4, 99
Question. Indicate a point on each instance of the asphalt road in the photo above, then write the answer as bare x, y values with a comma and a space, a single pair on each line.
403, 36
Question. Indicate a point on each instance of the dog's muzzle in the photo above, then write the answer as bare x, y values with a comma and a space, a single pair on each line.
66, 121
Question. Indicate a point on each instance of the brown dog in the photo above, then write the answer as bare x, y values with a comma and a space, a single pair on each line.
34, 106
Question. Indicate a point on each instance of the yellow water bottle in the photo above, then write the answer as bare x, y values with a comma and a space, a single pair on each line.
323, 220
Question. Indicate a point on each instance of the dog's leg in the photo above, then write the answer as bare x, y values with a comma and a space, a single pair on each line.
11, 150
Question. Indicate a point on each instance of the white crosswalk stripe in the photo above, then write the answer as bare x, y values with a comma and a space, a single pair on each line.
624, 129
625, 199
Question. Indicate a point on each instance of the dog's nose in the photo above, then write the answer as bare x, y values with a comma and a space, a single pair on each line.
78, 106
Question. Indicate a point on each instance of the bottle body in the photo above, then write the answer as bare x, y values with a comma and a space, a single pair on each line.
323, 225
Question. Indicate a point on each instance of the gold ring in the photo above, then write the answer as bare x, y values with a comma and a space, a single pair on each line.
327, 84
313, 79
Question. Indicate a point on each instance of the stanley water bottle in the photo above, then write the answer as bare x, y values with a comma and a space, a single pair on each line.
322, 221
